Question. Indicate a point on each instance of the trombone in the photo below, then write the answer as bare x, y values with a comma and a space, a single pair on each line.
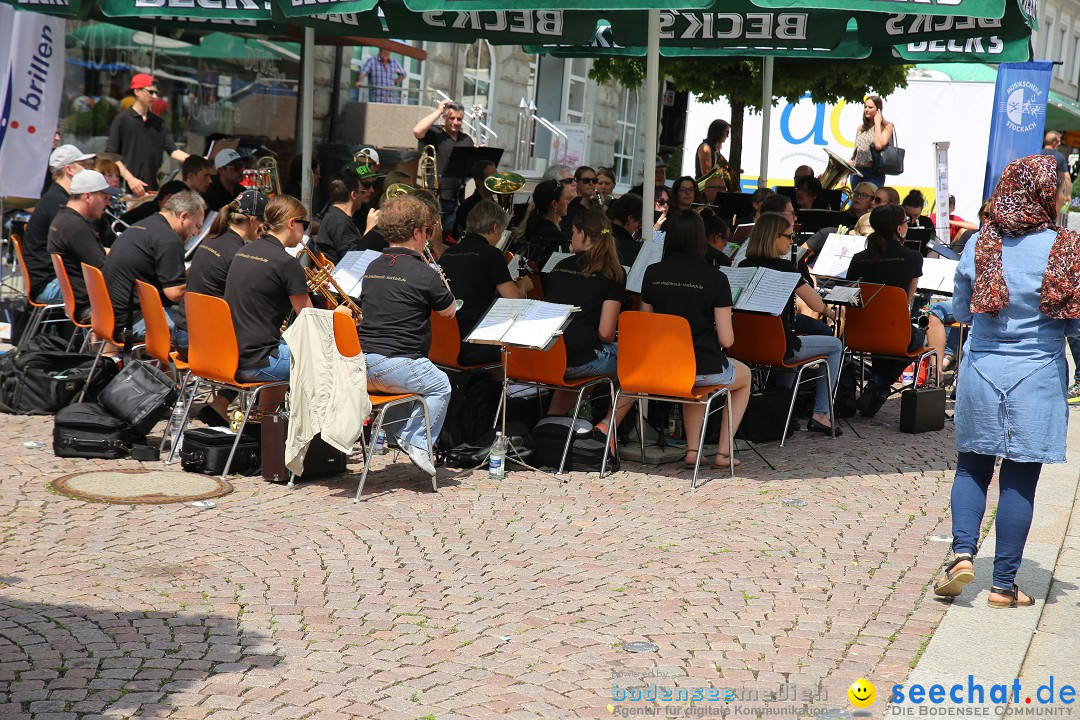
321, 281
427, 173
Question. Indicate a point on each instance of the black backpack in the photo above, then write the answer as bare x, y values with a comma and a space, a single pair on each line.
41, 382
474, 400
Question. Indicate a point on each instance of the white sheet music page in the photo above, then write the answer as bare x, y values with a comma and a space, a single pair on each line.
835, 256
512, 266
537, 324
349, 272
498, 319
842, 294
739, 279
938, 274
648, 254
555, 259
771, 293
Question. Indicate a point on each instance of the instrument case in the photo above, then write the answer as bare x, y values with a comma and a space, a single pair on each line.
321, 460
205, 450
922, 410
87, 430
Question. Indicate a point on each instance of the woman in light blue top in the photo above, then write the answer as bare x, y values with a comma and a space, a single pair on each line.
1017, 284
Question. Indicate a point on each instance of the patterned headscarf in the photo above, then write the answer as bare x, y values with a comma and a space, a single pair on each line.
1024, 202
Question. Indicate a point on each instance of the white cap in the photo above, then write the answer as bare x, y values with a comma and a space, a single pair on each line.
371, 153
89, 181
226, 157
65, 155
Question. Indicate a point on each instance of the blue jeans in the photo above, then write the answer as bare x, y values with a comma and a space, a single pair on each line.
394, 375
139, 328
724, 377
277, 369
50, 292
1017, 483
1074, 348
868, 175
813, 345
606, 363
943, 311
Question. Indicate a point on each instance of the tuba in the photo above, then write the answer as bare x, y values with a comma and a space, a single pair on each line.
321, 281
427, 173
836, 173
503, 185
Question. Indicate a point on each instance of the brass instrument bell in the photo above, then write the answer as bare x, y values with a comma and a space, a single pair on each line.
503, 185
320, 280
427, 173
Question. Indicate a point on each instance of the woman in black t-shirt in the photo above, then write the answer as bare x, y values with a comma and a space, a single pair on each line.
265, 283
594, 281
769, 246
539, 234
684, 284
913, 205
886, 261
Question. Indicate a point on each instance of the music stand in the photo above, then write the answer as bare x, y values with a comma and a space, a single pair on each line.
945, 251
918, 238
814, 220
462, 158
734, 204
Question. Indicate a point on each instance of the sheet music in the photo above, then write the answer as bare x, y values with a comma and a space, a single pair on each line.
648, 254
770, 293
512, 266
836, 254
194, 241
740, 254
739, 279
350, 270
498, 319
938, 274
844, 294
555, 259
536, 325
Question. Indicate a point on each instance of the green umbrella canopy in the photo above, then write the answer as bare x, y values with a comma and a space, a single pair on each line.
511, 27
970, 8
489, 5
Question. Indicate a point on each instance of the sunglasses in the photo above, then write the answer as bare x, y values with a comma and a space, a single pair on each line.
429, 230
661, 202
567, 181
150, 92
905, 221
303, 223
367, 184
876, 200
587, 181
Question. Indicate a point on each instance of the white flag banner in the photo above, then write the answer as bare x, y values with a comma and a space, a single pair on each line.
31, 87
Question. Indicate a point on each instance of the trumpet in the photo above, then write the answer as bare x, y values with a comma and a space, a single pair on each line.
503, 185
321, 281
427, 173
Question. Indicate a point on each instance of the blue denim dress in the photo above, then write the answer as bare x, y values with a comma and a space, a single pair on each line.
1011, 396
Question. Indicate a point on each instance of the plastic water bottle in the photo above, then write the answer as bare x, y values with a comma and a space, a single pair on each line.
175, 438
380, 443
497, 457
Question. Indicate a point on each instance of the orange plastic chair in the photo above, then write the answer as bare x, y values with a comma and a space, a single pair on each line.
446, 345
656, 361
883, 327
761, 340
213, 357
159, 344
102, 319
69, 299
348, 344
38, 310
547, 369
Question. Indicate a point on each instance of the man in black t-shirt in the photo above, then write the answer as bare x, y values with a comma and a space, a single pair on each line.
140, 137
400, 292
625, 214
153, 251
444, 140
197, 173
349, 190
72, 235
226, 185
65, 163
478, 274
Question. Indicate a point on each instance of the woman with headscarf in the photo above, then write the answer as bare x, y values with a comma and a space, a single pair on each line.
1018, 284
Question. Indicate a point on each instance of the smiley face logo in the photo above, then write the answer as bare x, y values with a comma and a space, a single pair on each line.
862, 693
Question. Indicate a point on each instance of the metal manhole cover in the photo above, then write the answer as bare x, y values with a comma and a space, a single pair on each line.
142, 487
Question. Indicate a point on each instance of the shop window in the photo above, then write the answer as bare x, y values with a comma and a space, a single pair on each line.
479, 76
626, 140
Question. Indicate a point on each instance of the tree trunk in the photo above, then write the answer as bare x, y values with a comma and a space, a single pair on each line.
738, 111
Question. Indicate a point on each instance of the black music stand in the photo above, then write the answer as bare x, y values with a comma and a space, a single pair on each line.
814, 220
918, 239
734, 205
462, 158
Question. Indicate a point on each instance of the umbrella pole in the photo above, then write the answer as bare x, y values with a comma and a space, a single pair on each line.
766, 119
307, 101
652, 107
153, 50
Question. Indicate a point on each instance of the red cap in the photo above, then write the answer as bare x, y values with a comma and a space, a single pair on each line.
140, 81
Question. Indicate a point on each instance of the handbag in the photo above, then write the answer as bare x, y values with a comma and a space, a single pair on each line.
141, 395
890, 160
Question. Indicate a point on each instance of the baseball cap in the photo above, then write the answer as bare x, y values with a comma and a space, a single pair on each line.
89, 181
660, 161
371, 153
140, 81
364, 172
252, 203
65, 155
226, 157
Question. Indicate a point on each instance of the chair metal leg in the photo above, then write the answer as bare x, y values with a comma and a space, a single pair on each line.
573, 424
610, 431
431, 446
31, 323
370, 452
187, 414
90, 375
701, 439
832, 414
640, 428
251, 397
180, 399
731, 432
791, 405
85, 340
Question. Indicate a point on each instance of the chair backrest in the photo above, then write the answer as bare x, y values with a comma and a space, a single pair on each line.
65, 287
345, 335
445, 340
759, 339
542, 366
16, 240
882, 326
158, 338
102, 319
656, 354
212, 350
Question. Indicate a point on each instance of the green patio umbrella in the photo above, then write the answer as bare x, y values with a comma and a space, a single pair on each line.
965, 8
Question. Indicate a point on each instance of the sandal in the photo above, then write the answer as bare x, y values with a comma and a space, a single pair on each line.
1013, 594
954, 582
691, 456
724, 463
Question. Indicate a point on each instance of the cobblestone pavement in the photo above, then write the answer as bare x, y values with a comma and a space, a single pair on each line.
510, 599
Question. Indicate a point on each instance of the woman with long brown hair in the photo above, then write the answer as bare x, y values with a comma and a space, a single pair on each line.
874, 132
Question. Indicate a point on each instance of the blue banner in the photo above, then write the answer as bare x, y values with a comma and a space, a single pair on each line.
1016, 127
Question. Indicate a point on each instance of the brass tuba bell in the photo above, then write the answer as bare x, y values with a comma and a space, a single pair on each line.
503, 185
